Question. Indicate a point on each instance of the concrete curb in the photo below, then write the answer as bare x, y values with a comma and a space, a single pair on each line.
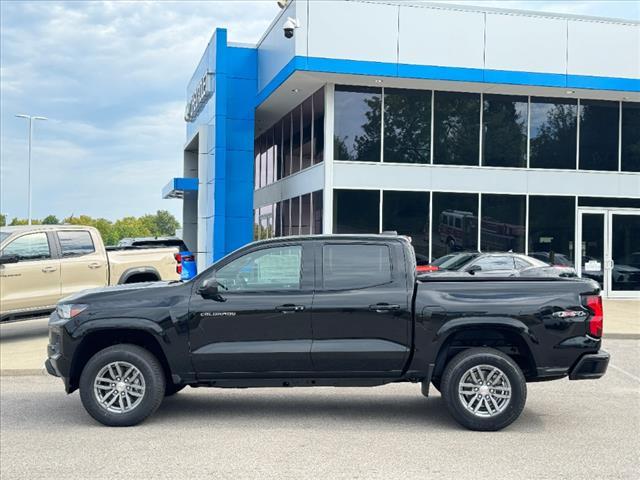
622, 336
22, 372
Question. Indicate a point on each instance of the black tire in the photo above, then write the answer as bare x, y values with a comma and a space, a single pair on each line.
149, 368
460, 365
171, 389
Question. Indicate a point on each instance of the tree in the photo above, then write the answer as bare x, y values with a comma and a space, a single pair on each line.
3, 219
24, 221
50, 220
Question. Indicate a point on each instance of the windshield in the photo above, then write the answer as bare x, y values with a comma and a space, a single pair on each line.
4, 236
454, 261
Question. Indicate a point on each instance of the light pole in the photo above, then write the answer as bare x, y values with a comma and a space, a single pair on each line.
31, 119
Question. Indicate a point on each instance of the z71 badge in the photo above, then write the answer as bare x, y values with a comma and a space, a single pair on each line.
569, 313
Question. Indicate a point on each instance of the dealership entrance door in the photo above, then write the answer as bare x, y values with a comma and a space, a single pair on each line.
608, 249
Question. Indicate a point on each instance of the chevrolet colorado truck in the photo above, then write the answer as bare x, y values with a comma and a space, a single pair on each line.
333, 310
40, 264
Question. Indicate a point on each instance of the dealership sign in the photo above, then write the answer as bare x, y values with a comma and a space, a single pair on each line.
199, 97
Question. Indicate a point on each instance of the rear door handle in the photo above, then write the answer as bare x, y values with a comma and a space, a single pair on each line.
95, 265
290, 308
49, 269
383, 307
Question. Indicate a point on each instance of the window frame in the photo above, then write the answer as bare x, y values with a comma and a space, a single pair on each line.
57, 233
321, 280
306, 268
53, 252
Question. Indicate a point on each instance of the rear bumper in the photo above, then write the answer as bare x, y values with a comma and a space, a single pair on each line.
590, 366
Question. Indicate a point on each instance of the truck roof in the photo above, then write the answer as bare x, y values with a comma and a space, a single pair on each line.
337, 236
29, 228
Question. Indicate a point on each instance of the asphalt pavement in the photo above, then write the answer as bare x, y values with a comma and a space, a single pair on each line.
568, 430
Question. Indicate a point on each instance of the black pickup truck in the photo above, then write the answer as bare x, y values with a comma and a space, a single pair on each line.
339, 310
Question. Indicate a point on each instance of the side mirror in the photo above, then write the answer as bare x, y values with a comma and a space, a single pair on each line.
210, 290
473, 269
9, 259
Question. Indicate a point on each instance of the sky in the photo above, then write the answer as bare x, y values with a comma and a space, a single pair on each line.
111, 79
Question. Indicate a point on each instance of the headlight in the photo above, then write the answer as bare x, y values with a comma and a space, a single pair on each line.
70, 310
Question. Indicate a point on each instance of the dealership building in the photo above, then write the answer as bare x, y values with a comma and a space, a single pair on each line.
465, 128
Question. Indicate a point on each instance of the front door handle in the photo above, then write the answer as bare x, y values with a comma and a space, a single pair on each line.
290, 308
94, 265
383, 307
49, 269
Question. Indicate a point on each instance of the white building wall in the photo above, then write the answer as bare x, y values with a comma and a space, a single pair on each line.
603, 49
451, 36
525, 44
426, 37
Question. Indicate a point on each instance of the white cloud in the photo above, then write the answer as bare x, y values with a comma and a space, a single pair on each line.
111, 76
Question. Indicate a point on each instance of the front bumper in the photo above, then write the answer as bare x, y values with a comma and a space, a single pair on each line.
590, 366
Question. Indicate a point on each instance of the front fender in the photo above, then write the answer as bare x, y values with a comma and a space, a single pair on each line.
125, 323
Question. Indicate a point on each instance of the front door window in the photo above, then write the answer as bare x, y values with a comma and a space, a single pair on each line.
263, 270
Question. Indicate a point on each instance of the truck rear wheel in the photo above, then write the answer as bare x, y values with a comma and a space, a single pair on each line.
122, 385
484, 389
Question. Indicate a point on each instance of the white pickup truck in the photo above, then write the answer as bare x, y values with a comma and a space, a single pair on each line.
41, 264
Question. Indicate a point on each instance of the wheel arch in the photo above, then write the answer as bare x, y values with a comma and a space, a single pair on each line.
507, 337
147, 272
95, 340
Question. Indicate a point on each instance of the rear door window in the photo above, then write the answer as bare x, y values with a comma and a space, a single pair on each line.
354, 266
75, 243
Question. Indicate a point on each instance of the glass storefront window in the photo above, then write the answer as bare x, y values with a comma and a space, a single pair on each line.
456, 128
286, 144
357, 123
407, 126
599, 121
263, 161
278, 220
295, 216
630, 137
408, 214
271, 157
286, 218
318, 126
296, 139
625, 252
256, 224
553, 133
277, 140
502, 228
356, 211
307, 141
454, 224
552, 229
504, 131
305, 214
256, 164
317, 200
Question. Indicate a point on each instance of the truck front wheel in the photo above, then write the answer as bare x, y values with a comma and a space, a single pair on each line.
484, 389
122, 385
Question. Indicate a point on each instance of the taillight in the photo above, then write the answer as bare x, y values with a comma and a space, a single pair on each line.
594, 303
178, 258
426, 268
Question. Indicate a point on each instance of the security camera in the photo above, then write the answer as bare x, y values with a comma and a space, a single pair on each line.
289, 26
